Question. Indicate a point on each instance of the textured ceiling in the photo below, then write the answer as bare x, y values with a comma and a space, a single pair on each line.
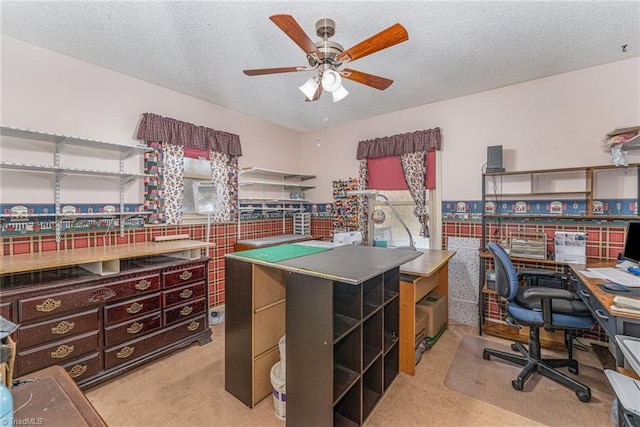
454, 48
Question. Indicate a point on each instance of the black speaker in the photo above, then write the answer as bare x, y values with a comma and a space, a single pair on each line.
494, 159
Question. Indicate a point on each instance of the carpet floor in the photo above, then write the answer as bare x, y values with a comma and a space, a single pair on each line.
490, 381
186, 388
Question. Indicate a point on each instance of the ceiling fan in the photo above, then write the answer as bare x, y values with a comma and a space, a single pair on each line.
327, 57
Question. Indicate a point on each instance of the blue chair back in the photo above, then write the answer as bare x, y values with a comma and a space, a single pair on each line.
506, 275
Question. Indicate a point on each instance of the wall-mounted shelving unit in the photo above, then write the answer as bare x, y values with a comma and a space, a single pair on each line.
521, 189
60, 172
263, 187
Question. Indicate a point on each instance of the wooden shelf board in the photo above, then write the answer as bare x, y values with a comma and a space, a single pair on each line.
54, 259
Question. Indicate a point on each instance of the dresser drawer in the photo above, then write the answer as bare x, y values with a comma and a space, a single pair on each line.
136, 285
63, 302
133, 350
183, 275
127, 331
61, 327
184, 311
84, 367
6, 311
183, 294
130, 309
56, 354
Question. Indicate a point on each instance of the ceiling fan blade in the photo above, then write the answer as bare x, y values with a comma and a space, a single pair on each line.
366, 78
316, 95
260, 71
295, 32
391, 36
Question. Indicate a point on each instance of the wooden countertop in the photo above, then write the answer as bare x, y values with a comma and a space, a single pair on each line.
427, 264
54, 259
605, 298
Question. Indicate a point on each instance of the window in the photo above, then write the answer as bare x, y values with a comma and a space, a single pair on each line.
391, 229
195, 170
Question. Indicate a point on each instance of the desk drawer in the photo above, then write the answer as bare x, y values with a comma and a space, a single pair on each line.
421, 285
606, 320
184, 275
127, 331
186, 293
184, 311
62, 327
56, 354
130, 309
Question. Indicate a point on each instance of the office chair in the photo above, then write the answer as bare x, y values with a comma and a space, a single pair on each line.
539, 307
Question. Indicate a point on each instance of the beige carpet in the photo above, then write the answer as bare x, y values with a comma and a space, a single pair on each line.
542, 399
186, 388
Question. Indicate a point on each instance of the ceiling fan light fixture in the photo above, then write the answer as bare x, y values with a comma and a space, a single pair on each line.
331, 81
339, 94
309, 88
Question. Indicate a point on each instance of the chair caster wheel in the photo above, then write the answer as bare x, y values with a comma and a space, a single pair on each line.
485, 355
583, 397
517, 384
514, 347
573, 367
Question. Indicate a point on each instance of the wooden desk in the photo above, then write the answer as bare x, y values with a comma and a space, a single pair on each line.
53, 399
429, 272
599, 302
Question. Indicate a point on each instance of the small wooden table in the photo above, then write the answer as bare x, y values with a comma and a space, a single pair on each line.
429, 272
53, 399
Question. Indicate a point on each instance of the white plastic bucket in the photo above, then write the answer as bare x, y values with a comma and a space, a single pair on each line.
278, 382
282, 344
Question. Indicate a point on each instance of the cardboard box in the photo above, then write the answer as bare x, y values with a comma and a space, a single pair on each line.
422, 320
436, 306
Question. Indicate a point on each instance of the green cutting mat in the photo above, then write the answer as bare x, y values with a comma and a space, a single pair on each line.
280, 252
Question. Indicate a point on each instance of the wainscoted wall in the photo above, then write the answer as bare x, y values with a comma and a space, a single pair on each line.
605, 240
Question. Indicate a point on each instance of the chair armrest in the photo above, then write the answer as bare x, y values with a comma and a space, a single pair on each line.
546, 297
535, 292
535, 272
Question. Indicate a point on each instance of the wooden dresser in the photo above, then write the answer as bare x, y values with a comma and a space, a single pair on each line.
99, 326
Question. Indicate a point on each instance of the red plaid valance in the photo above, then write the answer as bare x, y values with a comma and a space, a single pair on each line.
175, 132
397, 145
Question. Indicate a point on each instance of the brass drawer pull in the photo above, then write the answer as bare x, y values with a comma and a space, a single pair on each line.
186, 310
63, 327
186, 275
62, 351
48, 305
77, 370
143, 284
135, 328
186, 293
125, 352
193, 326
134, 308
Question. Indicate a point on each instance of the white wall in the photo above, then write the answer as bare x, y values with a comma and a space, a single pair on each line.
557, 121
46, 91
553, 122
